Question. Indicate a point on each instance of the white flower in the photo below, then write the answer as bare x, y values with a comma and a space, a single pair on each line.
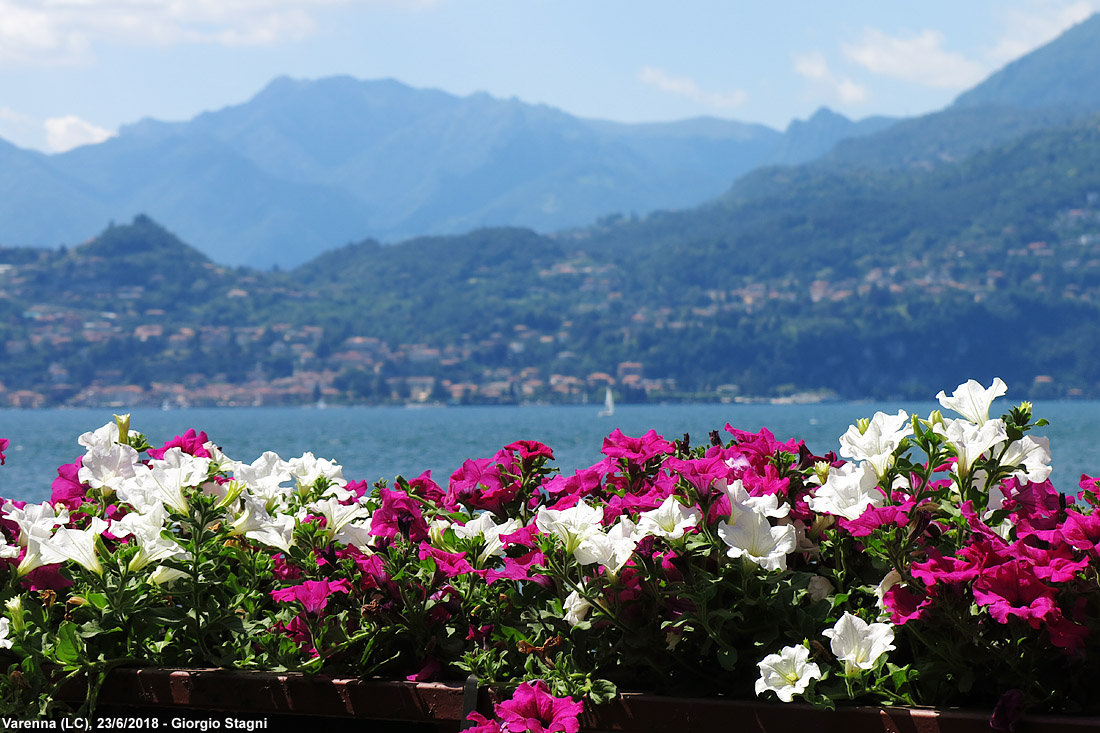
972, 400
970, 440
35, 520
741, 502
5, 628
670, 520
878, 442
148, 531
576, 608
308, 468
489, 531
572, 526
168, 477
103, 438
108, 467
337, 515
611, 550
788, 673
859, 644
77, 545
256, 524
756, 540
1033, 457
848, 491
265, 476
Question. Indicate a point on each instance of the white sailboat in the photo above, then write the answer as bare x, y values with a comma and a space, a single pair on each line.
608, 404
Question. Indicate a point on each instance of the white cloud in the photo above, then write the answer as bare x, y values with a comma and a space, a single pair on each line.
919, 58
68, 132
1027, 28
64, 31
814, 67
686, 87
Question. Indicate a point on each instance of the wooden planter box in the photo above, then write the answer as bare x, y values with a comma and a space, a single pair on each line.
365, 705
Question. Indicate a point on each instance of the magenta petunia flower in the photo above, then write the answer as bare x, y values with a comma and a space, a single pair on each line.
530, 450
399, 514
700, 472
477, 484
1012, 589
448, 563
635, 450
874, 517
312, 594
3, 447
532, 708
190, 442
66, 488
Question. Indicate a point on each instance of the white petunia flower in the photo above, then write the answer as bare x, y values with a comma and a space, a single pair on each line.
265, 478
757, 541
859, 644
970, 440
103, 438
611, 550
788, 673
572, 526
741, 502
489, 531
670, 520
848, 491
972, 400
307, 468
1033, 457
576, 608
878, 442
77, 545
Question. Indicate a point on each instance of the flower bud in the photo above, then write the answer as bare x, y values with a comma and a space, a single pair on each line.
862, 424
15, 612
935, 418
123, 422
821, 471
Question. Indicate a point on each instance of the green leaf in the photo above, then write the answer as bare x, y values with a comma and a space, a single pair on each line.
69, 647
727, 658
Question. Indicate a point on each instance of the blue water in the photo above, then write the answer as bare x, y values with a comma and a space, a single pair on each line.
382, 442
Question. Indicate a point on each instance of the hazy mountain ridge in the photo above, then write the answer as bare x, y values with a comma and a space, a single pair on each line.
306, 165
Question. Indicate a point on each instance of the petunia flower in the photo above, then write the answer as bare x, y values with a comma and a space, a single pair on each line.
670, 520
788, 673
3, 447
859, 644
848, 491
877, 443
312, 594
754, 539
532, 708
972, 400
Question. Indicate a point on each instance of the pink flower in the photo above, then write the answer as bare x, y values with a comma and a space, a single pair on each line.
3, 447
1012, 589
483, 724
399, 514
425, 488
477, 484
874, 517
312, 594
448, 563
532, 708
700, 472
530, 450
519, 568
190, 442
635, 450
66, 488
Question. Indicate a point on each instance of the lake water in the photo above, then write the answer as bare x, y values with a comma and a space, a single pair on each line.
376, 442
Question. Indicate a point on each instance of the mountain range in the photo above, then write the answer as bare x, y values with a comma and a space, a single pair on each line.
307, 165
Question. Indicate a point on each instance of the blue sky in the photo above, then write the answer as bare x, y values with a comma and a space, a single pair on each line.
73, 71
